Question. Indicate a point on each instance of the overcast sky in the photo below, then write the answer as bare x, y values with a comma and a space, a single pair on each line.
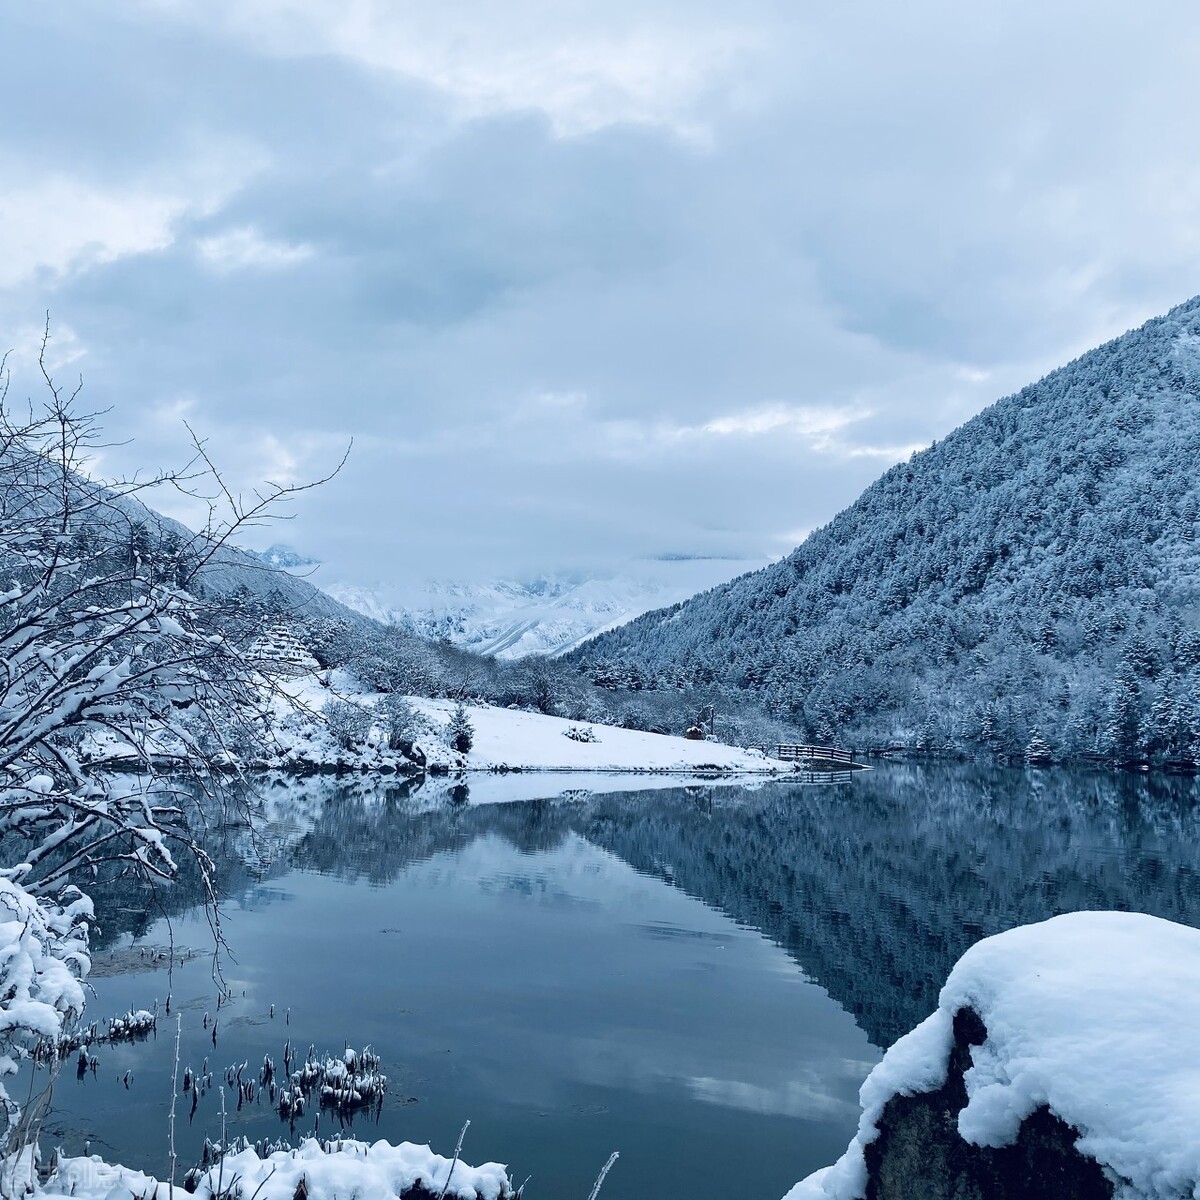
583, 280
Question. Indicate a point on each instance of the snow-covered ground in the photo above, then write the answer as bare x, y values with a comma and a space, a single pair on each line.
503, 739
1093, 1014
533, 742
347, 1169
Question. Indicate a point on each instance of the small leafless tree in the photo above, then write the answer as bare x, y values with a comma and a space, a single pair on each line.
540, 683
109, 658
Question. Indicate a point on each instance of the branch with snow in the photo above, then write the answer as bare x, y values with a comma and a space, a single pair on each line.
109, 657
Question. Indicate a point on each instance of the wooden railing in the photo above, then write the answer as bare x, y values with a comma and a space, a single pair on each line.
790, 753
833, 775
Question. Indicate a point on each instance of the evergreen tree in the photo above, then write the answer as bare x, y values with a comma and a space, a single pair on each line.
1122, 730
1038, 750
460, 731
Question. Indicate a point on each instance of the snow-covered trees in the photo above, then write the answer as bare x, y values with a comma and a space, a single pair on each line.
402, 725
1038, 566
106, 657
349, 723
541, 683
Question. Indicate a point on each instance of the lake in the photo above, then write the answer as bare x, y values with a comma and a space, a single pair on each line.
697, 977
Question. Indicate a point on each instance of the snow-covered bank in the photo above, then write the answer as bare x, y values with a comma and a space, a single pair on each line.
511, 738
503, 739
344, 1168
1090, 1015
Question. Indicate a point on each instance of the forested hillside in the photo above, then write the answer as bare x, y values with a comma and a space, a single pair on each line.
1035, 574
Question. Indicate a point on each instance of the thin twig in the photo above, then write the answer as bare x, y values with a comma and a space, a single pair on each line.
454, 1163
600, 1178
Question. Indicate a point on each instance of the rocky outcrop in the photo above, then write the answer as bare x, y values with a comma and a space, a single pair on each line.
919, 1154
1059, 1064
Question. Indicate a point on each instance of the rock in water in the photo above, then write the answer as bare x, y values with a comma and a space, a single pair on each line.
919, 1152
1062, 1063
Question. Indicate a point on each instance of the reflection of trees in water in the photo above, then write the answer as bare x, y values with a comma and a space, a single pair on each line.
376, 838
127, 905
129, 902
875, 887
360, 828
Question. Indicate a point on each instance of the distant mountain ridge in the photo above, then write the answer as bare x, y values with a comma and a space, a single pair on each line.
547, 615
283, 558
1036, 573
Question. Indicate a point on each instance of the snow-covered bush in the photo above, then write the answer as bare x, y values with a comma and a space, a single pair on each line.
43, 956
634, 716
580, 733
348, 723
320, 1170
402, 725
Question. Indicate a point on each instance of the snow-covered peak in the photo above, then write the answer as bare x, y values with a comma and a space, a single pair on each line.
548, 614
284, 558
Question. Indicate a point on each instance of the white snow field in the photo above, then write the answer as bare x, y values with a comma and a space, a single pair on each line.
350, 1169
503, 738
1093, 1014
533, 742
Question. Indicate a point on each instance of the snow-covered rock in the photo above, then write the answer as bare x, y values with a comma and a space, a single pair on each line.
1089, 1018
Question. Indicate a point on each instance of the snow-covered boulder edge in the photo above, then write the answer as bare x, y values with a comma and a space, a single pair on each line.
1091, 1017
348, 1168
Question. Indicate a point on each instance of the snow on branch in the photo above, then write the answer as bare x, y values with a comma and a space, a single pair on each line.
110, 657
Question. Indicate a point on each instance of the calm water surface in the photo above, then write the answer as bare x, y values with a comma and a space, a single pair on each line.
699, 978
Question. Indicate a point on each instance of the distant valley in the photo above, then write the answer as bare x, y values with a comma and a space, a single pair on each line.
547, 615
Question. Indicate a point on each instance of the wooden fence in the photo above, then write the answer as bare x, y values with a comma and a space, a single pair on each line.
790, 753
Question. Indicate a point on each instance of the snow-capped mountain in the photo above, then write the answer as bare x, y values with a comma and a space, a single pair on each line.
550, 614
284, 558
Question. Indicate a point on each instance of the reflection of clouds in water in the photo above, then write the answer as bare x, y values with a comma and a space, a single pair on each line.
808, 1099
575, 873
655, 1062
536, 885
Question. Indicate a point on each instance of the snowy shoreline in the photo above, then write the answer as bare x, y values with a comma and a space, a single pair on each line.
315, 1170
504, 741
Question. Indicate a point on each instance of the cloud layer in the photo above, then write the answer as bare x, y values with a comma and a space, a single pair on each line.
582, 281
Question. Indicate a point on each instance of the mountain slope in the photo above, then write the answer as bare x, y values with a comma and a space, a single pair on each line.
1036, 571
230, 571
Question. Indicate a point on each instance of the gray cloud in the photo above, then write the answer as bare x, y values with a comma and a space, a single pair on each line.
587, 282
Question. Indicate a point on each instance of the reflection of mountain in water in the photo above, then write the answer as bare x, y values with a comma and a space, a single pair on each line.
875, 887
355, 828
878, 887
358, 836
